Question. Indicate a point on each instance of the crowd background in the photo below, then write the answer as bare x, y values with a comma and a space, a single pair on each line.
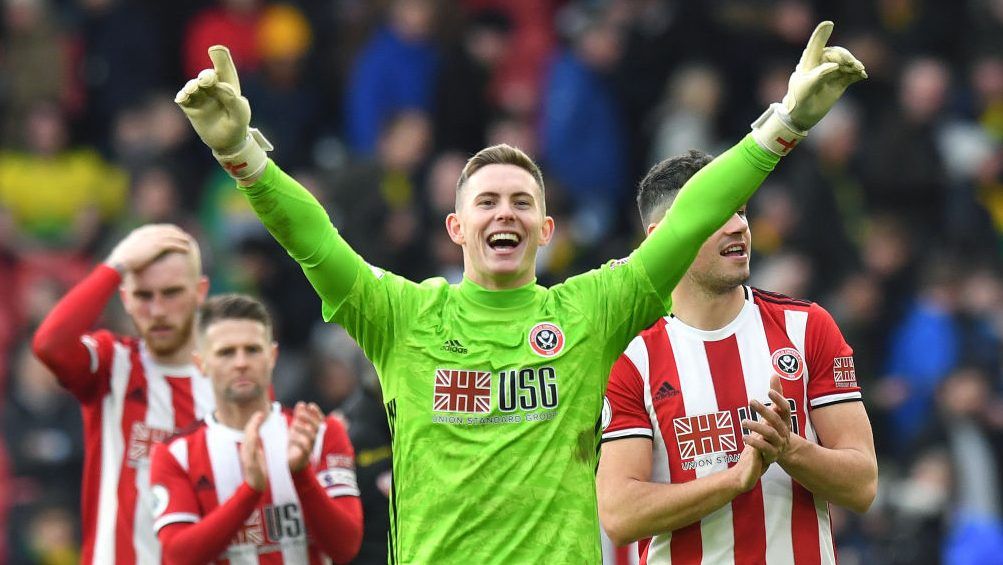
890, 215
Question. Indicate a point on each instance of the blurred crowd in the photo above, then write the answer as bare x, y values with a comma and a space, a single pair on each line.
890, 215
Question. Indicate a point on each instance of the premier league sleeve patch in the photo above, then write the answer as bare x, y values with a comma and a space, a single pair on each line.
546, 339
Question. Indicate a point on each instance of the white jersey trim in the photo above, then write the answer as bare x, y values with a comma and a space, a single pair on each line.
628, 432
835, 398
175, 518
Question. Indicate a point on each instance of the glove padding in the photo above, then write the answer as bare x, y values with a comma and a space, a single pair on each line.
221, 117
818, 81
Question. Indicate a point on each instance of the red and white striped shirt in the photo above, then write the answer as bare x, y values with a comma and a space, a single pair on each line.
199, 471
130, 403
694, 387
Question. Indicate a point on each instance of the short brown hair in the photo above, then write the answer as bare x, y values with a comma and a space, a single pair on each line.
233, 306
501, 154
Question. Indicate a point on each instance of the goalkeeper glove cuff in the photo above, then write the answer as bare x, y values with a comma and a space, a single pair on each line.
775, 132
249, 159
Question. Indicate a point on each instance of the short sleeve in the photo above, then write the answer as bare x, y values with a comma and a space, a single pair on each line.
624, 414
174, 499
831, 375
92, 381
335, 460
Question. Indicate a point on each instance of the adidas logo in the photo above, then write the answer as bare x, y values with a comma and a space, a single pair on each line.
204, 483
453, 346
665, 391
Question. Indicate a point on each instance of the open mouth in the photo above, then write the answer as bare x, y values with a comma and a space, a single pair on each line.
503, 241
734, 250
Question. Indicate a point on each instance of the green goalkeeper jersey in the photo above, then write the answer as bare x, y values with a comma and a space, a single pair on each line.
494, 397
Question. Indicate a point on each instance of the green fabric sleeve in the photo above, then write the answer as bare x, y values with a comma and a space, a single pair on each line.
301, 225
704, 204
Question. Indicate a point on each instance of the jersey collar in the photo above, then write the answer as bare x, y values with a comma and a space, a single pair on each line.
508, 298
723, 332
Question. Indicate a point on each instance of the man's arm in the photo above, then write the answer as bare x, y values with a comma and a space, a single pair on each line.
221, 117
334, 523
843, 468
199, 543
185, 536
713, 194
333, 513
632, 508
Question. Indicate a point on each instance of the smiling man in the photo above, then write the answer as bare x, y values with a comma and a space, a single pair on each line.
494, 386
702, 403
133, 392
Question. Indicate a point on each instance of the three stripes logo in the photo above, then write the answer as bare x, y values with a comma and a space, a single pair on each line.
454, 346
665, 391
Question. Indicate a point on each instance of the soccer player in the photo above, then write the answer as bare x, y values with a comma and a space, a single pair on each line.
493, 387
133, 392
702, 402
253, 483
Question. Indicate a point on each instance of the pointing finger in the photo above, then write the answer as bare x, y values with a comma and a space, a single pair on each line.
812, 54
222, 62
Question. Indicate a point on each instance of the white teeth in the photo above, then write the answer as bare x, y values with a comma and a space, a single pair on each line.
733, 249
503, 237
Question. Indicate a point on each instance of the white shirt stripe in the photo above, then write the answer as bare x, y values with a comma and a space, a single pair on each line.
112, 455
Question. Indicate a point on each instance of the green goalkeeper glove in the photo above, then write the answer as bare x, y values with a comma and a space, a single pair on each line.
821, 77
221, 117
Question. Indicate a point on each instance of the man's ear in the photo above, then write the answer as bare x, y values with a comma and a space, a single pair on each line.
198, 361
202, 289
651, 228
547, 230
454, 229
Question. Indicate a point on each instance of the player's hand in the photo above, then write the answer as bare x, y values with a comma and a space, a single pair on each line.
307, 419
145, 244
749, 468
818, 81
222, 117
252, 454
820, 78
771, 435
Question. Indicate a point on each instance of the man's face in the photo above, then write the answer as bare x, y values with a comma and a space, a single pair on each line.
161, 300
238, 356
500, 223
723, 260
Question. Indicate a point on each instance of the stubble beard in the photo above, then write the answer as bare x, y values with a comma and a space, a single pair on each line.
172, 346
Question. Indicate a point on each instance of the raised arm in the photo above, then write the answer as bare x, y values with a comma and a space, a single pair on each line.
720, 188
221, 116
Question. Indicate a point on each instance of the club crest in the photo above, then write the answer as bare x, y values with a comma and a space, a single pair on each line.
546, 339
788, 363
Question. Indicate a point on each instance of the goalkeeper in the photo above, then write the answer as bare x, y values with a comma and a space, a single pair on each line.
494, 386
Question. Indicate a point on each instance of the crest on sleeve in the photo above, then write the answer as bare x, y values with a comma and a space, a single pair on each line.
788, 363
546, 339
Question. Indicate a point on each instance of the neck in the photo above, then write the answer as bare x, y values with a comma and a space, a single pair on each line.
236, 414
705, 309
499, 283
180, 356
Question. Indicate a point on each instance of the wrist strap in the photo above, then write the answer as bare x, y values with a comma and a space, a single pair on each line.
249, 159
774, 132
